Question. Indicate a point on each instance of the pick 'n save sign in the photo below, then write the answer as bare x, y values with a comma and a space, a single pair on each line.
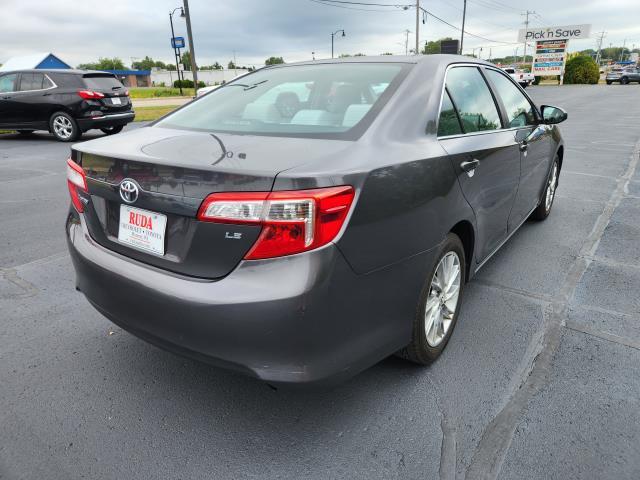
568, 32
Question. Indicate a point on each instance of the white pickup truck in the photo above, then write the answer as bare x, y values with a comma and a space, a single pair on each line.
523, 78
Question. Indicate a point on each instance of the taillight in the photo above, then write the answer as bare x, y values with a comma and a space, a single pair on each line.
76, 179
292, 221
90, 94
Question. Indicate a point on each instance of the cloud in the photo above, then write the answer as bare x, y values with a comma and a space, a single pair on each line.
81, 31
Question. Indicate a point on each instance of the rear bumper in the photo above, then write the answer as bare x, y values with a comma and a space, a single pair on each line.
303, 319
112, 120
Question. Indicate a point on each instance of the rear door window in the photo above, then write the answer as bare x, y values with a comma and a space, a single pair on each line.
102, 82
31, 81
8, 83
473, 99
520, 112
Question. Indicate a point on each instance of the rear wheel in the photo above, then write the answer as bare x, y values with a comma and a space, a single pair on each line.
439, 304
624, 80
609, 82
64, 127
546, 202
112, 130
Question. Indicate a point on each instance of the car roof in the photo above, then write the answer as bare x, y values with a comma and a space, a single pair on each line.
434, 60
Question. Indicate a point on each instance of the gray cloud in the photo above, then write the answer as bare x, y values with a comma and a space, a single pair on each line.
80, 31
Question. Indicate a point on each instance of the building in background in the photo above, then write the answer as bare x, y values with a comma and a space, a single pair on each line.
34, 61
133, 78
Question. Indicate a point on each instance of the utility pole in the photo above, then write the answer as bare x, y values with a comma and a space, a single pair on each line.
406, 41
602, 34
464, 15
526, 27
192, 50
417, 27
623, 47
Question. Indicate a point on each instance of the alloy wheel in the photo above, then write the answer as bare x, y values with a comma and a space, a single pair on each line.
442, 301
551, 187
62, 127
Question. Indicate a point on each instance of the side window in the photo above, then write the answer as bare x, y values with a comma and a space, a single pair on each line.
31, 81
46, 83
473, 99
519, 110
448, 123
7, 83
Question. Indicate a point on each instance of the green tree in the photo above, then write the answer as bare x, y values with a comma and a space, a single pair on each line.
104, 64
386, 53
147, 63
185, 59
581, 69
231, 65
170, 66
344, 55
273, 61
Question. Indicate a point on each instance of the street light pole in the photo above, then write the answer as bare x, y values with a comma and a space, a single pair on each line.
173, 44
192, 50
417, 27
464, 15
333, 35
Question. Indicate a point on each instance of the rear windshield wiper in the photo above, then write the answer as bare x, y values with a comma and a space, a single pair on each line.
245, 86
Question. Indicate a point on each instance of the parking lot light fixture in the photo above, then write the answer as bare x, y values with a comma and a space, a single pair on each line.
332, 37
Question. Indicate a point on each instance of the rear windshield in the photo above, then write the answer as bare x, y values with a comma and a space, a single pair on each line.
101, 82
315, 101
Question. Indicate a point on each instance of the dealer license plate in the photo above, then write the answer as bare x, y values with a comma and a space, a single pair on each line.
142, 229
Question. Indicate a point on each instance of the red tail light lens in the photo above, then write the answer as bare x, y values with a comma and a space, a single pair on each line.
292, 221
90, 94
76, 179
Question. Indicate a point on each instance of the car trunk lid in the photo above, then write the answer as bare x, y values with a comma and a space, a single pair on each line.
174, 171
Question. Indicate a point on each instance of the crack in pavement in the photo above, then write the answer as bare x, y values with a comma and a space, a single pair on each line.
496, 439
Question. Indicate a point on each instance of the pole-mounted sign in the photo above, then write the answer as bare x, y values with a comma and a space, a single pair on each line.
551, 47
177, 42
568, 32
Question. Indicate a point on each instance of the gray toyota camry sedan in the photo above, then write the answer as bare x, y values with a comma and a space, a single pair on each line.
305, 221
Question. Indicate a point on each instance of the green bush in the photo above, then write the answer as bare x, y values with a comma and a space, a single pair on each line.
581, 69
186, 83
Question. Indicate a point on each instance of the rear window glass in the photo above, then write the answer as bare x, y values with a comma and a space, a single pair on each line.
101, 82
324, 100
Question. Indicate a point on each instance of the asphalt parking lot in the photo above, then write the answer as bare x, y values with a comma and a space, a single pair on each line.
541, 378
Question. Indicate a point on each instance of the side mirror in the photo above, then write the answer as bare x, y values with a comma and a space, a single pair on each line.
552, 115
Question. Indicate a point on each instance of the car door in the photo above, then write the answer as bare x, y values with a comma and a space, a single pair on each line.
8, 86
484, 154
534, 139
32, 98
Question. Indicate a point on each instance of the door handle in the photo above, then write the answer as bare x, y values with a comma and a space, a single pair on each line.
469, 166
7, 97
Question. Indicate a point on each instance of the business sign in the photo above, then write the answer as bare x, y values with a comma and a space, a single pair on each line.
177, 42
569, 32
450, 46
549, 57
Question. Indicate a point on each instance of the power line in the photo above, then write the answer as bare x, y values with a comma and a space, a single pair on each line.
404, 6
465, 31
322, 2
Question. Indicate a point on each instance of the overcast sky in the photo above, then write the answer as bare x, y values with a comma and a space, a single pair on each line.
79, 31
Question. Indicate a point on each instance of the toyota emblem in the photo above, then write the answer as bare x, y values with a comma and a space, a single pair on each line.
129, 190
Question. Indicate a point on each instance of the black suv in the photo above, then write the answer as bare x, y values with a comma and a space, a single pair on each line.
64, 102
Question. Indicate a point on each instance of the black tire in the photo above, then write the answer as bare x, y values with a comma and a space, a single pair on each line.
624, 80
609, 82
112, 130
543, 210
419, 350
64, 127
26, 132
